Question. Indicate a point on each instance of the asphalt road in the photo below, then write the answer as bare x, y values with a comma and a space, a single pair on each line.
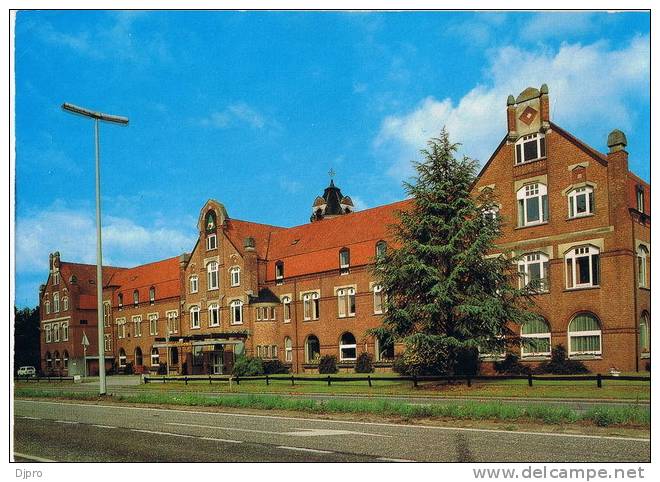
139, 434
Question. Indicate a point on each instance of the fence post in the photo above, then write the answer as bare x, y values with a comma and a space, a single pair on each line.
529, 379
292, 382
369, 379
210, 381
415, 381
267, 381
469, 381
238, 381
328, 380
185, 379
599, 380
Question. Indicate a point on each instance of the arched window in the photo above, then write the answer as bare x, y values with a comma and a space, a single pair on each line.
174, 355
65, 303
57, 359
381, 249
214, 315
120, 300
138, 356
532, 204
344, 260
56, 302
212, 275
312, 349
582, 267
155, 357
209, 222
347, 347
530, 148
47, 306
65, 360
122, 357
279, 270
194, 317
535, 339
236, 310
642, 255
65, 331
136, 297
286, 308
384, 349
235, 276
584, 335
581, 202
49, 360
56, 332
288, 350
152, 295
644, 335
534, 271
194, 283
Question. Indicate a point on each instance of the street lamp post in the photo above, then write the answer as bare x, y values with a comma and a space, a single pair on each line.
98, 116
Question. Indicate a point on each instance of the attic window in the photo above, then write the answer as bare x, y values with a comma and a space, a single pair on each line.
530, 148
152, 295
279, 270
344, 260
640, 198
136, 297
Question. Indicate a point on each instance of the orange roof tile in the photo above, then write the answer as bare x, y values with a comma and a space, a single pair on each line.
238, 230
162, 275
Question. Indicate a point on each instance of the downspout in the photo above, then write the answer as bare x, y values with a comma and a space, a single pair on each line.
295, 322
635, 288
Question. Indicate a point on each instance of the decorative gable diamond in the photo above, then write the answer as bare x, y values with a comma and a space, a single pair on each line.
528, 115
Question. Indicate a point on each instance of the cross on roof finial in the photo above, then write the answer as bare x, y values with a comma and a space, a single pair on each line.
331, 173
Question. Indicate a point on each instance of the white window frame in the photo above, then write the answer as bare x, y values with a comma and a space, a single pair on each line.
542, 335
235, 276
65, 359
214, 315
345, 302
534, 190
588, 193
288, 349
56, 332
172, 321
106, 314
311, 305
121, 327
137, 325
576, 334
308, 358
122, 358
155, 356
645, 321
344, 264
572, 256
194, 283
286, 309
65, 303
152, 295
212, 275
348, 346
378, 294
47, 307
153, 323
530, 259
65, 331
56, 302
56, 278
107, 342
642, 275
236, 310
279, 270
211, 242
49, 333
639, 197
136, 297
195, 324
541, 148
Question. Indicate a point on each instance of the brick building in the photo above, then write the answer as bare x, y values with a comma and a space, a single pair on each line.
578, 219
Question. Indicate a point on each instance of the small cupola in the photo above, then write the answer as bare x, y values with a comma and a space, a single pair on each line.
332, 203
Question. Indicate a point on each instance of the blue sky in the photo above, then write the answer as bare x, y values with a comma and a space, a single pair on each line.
254, 108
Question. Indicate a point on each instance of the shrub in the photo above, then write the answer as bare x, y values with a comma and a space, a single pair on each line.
328, 364
559, 364
272, 367
162, 368
364, 363
128, 368
511, 366
246, 366
467, 362
426, 355
399, 365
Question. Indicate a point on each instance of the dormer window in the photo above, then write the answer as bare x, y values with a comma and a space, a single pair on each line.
381, 249
152, 295
211, 242
136, 297
344, 260
640, 198
210, 224
530, 148
279, 271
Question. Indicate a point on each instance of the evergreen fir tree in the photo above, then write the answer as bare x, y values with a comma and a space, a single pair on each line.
444, 294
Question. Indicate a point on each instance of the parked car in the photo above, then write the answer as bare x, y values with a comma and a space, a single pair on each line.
27, 371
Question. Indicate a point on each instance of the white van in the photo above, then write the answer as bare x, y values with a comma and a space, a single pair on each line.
27, 371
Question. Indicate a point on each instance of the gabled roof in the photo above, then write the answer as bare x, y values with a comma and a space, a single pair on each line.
162, 275
237, 230
86, 280
599, 156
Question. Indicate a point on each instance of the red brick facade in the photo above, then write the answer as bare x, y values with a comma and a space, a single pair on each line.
579, 218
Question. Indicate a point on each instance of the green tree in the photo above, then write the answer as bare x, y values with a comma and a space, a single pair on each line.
26, 337
444, 295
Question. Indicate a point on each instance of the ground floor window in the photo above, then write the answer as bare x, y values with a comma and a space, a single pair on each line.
138, 356
347, 347
65, 359
644, 335
288, 349
535, 339
584, 335
155, 357
122, 357
312, 349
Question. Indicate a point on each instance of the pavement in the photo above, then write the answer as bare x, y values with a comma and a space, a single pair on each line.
116, 433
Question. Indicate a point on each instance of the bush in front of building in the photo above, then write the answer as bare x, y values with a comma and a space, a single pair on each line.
128, 368
467, 363
364, 363
247, 366
511, 366
425, 355
274, 367
162, 369
328, 364
560, 364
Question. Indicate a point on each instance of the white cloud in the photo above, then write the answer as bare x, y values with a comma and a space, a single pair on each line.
560, 25
73, 233
588, 83
235, 114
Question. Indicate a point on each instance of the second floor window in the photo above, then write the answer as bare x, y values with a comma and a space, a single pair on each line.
137, 326
236, 310
640, 199
642, 255
582, 267
47, 307
346, 302
311, 306
194, 284
65, 331
533, 269
65, 303
532, 204
106, 315
121, 328
48, 334
378, 299
286, 308
152, 295
136, 297
529, 148
580, 202
194, 317
212, 275
153, 324
211, 242
235, 275
214, 315
172, 321
344, 260
56, 302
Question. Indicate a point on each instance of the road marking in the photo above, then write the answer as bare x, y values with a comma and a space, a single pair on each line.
301, 432
185, 436
222, 440
66, 421
388, 459
30, 418
32, 457
353, 422
102, 426
302, 449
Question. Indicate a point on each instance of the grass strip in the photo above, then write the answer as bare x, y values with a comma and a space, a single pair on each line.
603, 416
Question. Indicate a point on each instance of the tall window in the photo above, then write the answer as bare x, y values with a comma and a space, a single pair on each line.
288, 350
65, 331
346, 302
65, 303
65, 360
152, 295
381, 249
378, 299
644, 335
214, 315
172, 321
581, 202
311, 306
57, 359
56, 302
286, 308
312, 349
155, 357
106, 314
535, 339
194, 283
642, 255
211, 242
49, 360
347, 347
56, 278
534, 270
194, 317
107, 342
153, 324
56, 332
236, 310
136, 297
49, 335
344, 260
235, 276
582, 267
120, 300
47, 306
640, 199
532, 204
137, 325
138, 356
529, 148
121, 328
279, 270
122, 357
212, 275
584, 335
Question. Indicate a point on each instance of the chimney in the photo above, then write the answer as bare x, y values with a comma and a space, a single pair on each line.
617, 173
251, 265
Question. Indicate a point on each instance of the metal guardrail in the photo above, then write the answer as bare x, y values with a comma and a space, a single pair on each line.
598, 378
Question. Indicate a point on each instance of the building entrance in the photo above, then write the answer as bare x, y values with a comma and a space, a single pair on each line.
217, 362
